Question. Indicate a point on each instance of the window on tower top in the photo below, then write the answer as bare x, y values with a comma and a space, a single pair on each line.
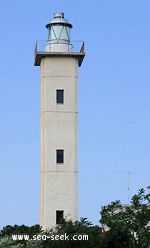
59, 156
60, 96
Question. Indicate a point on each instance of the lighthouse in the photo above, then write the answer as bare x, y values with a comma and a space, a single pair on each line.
58, 123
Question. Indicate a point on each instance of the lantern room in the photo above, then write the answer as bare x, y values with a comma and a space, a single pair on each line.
58, 34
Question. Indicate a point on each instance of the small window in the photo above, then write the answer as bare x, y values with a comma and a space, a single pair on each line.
59, 216
60, 96
59, 156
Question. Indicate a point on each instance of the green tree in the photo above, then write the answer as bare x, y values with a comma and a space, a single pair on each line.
134, 218
7, 232
8, 243
117, 237
35, 244
82, 227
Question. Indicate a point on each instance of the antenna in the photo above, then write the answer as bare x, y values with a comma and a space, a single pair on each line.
126, 172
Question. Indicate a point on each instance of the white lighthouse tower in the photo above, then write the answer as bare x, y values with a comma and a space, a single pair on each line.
58, 124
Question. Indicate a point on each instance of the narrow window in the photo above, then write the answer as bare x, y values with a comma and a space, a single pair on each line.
59, 216
60, 96
59, 156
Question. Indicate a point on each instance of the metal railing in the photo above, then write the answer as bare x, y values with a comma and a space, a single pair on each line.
76, 46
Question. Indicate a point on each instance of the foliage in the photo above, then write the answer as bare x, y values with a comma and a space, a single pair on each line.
82, 227
35, 244
7, 232
129, 227
135, 218
117, 237
7, 243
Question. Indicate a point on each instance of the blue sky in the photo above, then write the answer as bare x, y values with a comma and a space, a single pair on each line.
114, 103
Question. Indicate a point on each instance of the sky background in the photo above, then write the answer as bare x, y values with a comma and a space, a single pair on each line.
114, 103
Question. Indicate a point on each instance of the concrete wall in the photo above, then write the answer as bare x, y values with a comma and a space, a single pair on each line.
58, 131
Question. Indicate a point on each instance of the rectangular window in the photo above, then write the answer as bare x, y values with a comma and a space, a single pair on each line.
59, 216
60, 96
59, 156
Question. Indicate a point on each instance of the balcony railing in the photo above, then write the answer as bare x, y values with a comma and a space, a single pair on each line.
73, 47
